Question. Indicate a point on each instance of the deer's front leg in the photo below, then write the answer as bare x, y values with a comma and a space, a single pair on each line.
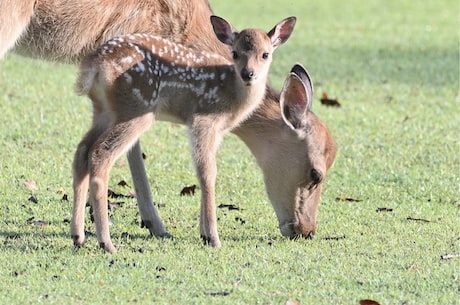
147, 209
205, 139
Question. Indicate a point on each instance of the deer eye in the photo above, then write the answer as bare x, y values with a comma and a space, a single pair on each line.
234, 55
265, 55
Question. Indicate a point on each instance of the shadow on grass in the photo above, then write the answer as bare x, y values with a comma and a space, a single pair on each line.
411, 66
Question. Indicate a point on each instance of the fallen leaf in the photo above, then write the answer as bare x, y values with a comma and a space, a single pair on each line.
13, 236
33, 199
217, 293
347, 199
292, 303
449, 256
188, 190
123, 183
229, 206
61, 190
418, 219
40, 223
160, 268
368, 302
34, 222
326, 101
384, 210
241, 220
113, 194
31, 185
334, 237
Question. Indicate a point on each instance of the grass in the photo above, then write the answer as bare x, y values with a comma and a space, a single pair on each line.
393, 66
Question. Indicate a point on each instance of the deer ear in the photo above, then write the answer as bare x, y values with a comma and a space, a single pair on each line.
282, 31
302, 73
223, 29
295, 101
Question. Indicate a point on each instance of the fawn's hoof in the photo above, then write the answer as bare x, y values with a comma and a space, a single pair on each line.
209, 241
108, 247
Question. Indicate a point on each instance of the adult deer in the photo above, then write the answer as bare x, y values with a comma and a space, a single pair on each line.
292, 146
133, 80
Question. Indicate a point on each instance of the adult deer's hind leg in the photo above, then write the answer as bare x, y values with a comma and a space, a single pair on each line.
148, 211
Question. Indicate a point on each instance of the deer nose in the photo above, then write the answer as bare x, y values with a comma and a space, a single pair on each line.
247, 75
315, 176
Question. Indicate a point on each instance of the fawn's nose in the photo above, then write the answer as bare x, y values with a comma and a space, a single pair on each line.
247, 74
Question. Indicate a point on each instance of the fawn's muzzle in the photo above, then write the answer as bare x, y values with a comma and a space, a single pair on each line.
247, 75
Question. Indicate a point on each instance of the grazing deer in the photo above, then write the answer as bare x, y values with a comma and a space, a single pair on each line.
134, 80
292, 146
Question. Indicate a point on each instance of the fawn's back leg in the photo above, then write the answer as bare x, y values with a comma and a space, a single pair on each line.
81, 178
110, 145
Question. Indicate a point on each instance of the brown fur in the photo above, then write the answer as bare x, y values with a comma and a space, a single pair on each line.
67, 31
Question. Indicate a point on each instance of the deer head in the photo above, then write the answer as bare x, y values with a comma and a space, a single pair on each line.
251, 51
302, 147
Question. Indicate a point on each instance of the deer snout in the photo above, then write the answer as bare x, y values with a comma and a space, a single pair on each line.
298, 230
316, 178
247, 74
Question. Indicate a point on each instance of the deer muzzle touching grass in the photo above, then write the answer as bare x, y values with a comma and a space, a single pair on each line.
135, 79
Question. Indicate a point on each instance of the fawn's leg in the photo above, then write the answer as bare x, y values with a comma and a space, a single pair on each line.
147, 209
81, 180
205, 139
117, 140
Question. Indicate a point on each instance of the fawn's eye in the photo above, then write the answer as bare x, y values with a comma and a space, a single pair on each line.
234, 55
265, 55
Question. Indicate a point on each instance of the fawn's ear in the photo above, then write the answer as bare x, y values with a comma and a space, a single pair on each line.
282, 31
223, 29
296, 98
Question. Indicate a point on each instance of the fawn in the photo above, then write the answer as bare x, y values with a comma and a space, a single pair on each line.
135, 79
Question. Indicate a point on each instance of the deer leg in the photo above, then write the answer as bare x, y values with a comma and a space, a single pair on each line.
108, 148
81, 181
149, 213
205, 141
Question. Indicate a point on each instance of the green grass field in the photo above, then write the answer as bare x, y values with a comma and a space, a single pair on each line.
394, 68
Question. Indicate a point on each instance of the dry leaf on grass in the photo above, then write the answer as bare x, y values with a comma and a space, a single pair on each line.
31, 185
33, 199
368, 302
188, 190
229, 206
384, 210
449, 256
113, 194
418, 219
123, 183
326, 101
347, 199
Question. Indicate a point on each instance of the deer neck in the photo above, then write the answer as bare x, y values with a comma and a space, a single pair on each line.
242, 99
